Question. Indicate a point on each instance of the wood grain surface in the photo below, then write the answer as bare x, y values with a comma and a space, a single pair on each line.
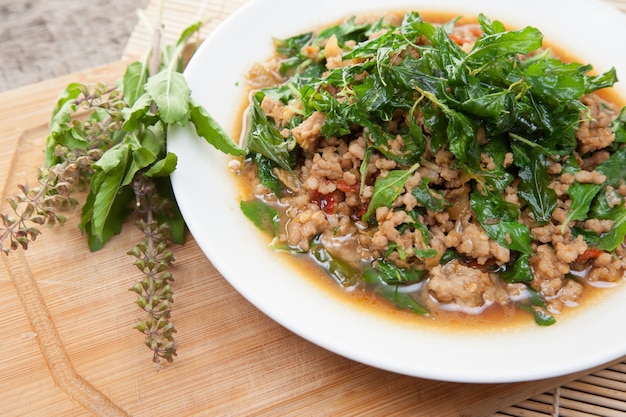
77, 354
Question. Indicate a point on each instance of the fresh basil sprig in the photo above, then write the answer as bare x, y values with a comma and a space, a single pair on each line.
151, 103
113, 140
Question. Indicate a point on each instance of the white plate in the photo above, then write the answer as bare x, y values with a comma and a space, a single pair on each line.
207, 195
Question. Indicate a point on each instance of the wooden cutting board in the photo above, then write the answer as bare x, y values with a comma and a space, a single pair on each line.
233, 360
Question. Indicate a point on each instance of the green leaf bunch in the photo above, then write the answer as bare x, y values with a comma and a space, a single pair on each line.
111, 141
153, 103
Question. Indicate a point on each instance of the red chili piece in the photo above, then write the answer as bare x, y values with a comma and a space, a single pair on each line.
348, 188
590, 253
326, 202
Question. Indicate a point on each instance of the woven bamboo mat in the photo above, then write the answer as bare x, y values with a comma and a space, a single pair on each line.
602, 393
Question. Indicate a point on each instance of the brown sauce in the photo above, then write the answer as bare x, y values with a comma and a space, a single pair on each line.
494, 318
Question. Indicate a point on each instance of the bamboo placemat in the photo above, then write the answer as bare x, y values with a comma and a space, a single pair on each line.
602, 393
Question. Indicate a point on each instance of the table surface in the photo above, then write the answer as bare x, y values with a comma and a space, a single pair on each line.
67, 316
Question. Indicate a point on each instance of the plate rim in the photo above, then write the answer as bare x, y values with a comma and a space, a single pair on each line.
191, 152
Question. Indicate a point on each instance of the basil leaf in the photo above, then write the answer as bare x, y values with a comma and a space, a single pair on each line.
134, 82
163, 167
401, 299
413, 26
211, 131
188, 32
520, 271
429, 198
264, 216
536, 305
391, 293
264, 138
390, 273
170, 92
293, 45
611, 240
387, 189
107, 204
499, 218
461, 133
265, 171
498, 45
119, 210
68, 95
348, 31
598, 82
488, 27
582, 195
113, 158
426, 253
499, 106
139, 109
172, 216
618, 126
451, 55
60, 129
604, 204
108, 188
144, 152
534, 187
449, 255
614, 168
555, 79
344, 273
542, 318
140, 158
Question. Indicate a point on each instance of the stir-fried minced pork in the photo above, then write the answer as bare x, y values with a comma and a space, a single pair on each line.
464, 222
454, 283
